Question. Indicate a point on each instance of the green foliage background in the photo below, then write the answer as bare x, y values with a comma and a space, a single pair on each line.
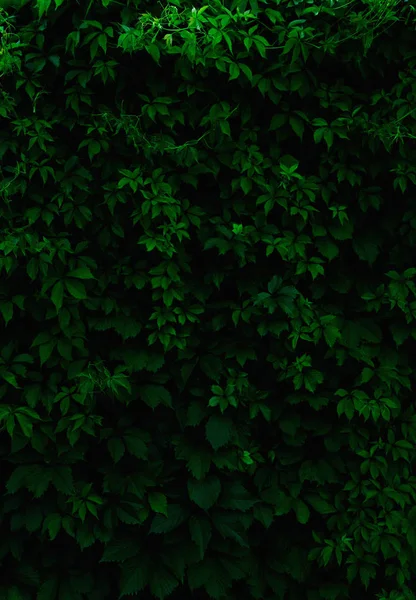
207, 300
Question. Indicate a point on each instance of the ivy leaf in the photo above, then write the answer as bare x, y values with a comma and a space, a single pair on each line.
6, 309
162, 582
319, 504
48, 590
76, 289
81, 273
58, 295
158, 503
264, 514
297, 125
176, 515
134, 576
153, 395
25, 424
119, 550
201, 533
45, 351
302, 511
199, 463
116, 448
136, 445
10, 378
331, 334
62, 480
53, 524
218, 431
211, 365
204, 493
231, 527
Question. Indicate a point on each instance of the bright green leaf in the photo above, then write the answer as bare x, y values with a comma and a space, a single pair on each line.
158, 503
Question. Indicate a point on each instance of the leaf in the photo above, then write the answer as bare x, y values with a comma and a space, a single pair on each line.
211, 365
327, 248
366, 375
76, 289
52, 523
136, 445
120, 550
319, 504
198, 574
10, 378
236, 497
134, 575
204, 493
199, 463
17, 479
81, 273
153, 395
58, 295
195, 413
331, 334
297, 125
45, 352
326, 554
218, 431
176, 515
25, 424
158, 503
116, 448
62, 480
201, 533
264, 514
6, 309
162, 582
48, 590
229, 526
302, 511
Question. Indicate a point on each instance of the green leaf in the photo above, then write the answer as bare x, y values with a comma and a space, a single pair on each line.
119, 550
211, 365
176, 515
81, 273
264, 514
135, 441
199, 463
6, 309
25, 424
134, 575
297, 125
327, 248
236, 497
204, 493
319, 504
62, 480
218, 431
52, 523
116, 448
158, 503
230, 526
76, 289
331, 335
45, 351
302, 511
153, 395
10, 378
58, 295
366, 375
201, 533
48, 590
162, 582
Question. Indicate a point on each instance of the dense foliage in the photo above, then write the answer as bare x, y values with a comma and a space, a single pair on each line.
207, 300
